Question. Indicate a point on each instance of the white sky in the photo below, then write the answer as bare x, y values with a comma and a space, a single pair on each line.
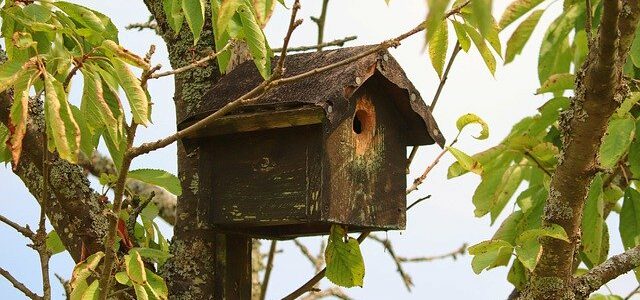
436, 226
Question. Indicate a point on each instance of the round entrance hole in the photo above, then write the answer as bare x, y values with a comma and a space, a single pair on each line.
361, 121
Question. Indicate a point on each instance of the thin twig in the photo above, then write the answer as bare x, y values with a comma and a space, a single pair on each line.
445, 75
19, 285
305, 251
418, 201
40, 239
267, 271
25, 231
293, 24
406, 279
412, 155
195, 64
105, 277
338, 43
320, 21
530, 155
418, 181
635, 291
65, 285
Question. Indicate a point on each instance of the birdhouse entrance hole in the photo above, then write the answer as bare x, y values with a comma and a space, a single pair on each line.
364, 123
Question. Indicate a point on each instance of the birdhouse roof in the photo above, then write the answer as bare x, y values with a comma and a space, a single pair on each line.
331, 90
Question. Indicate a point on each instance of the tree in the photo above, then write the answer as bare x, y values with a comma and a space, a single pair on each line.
578, 156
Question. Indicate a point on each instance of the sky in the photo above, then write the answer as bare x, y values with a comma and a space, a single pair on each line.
438, 225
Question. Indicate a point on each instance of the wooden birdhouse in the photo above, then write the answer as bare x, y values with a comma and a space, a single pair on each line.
330, 148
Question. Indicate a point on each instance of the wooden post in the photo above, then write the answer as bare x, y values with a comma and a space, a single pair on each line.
233, 267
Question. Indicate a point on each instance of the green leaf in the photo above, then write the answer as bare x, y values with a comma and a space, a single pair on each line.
82, 15
19, 115
557, 83
173, 11
11, 71
226, 11
264, 9
521, 35
135, 94
256, 41
62, 127
157, 285
634, 53
160, 178
483, 157
37, 12
592, 222
194, 13
605, 297
5, 154
116, 50
486, 254
628, 104
222, 38
482, 14
495, 190
154, 254
135, 268
438, 47
528, 246
485, 52
616, 141
551, 48
54, 244
345, 266
87, 141
629, 226
466, 162
94, 107
461, 34
434, 17
84, 269
517, 9
141, 292
92, 292
517, 275
123, 278
467, 119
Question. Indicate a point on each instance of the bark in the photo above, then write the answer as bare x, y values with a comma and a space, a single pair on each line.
74, 210
599, 91
190, 272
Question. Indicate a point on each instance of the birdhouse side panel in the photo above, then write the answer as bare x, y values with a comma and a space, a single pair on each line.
365, 164
262, 178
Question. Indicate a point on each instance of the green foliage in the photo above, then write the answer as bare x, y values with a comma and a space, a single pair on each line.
160, 178
467, 119
521, 35
345, 266
438, 47
617, 140
557, 83
593, 222
194, 13
54, 244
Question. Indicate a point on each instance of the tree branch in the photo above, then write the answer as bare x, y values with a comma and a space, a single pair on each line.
18, 285
598, 93
608, 270
338, 42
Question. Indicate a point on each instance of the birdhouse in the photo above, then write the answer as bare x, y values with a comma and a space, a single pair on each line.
326, 149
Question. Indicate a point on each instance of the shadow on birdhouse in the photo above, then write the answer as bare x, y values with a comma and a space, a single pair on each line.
327, 149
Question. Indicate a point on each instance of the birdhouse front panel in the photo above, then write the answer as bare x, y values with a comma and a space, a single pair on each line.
264, 178
365, 159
